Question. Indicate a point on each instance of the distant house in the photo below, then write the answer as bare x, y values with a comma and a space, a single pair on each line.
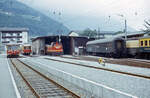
106, 34
102, 34
109, 34
13, 35
131, 35
73, 33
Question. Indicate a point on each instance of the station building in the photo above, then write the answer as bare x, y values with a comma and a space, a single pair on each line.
132, 35
71, 44
13, 36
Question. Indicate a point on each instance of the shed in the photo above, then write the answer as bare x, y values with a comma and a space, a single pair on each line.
70, 44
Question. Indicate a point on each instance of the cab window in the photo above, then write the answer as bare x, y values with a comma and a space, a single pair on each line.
146, 43
141, 43
149, 42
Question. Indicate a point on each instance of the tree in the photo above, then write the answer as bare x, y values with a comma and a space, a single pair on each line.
119, 32
89, 33
147, 26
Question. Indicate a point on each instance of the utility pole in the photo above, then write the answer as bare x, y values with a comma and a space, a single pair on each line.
98, 33
125, 30
59, 30
125, 25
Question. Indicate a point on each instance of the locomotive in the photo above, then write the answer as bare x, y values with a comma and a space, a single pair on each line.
112, 47
13, 50
55, 48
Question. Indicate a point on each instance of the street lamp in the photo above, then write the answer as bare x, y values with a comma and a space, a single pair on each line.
60, 30
125, 26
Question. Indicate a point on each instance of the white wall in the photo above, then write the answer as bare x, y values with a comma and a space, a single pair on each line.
24, 35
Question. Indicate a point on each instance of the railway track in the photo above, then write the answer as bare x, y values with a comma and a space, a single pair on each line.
125, 62
139, 61
40, 85
100, 68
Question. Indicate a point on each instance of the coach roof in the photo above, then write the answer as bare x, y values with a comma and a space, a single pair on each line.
104, 40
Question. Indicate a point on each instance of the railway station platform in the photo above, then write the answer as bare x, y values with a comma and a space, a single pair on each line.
7, 88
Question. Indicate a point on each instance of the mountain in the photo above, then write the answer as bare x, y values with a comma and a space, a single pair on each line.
16, 14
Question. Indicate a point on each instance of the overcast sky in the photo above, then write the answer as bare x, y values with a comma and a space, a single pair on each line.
135, 11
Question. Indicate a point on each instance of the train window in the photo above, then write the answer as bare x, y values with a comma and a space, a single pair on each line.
29, 47
146, 43
141, 43
149, 42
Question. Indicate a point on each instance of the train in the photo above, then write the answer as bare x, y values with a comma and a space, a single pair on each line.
139, 48
13, 50
119, 48
55, 48
26, 49
112, 47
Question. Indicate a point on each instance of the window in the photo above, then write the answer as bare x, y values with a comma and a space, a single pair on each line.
146, 43
11, 39
141, 43
3, 34
149, 42
4, 39
18, 34
11, 34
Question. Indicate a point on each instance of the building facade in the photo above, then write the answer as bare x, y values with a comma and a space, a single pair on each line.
13, 36
71, 44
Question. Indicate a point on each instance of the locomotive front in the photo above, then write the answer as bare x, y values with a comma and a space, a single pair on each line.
13, 50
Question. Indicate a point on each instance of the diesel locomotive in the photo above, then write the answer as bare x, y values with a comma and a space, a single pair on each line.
55, 48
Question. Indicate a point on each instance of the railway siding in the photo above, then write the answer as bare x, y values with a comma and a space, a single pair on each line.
40, 85
92, 88
23, 89
63, 79
132, 72
125, 62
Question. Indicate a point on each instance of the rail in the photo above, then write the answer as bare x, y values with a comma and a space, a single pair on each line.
87, 88
40, 85
100, 68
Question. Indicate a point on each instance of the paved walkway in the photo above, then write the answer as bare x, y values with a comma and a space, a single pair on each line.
6, 85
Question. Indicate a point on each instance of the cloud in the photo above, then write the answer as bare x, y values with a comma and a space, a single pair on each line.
135, 11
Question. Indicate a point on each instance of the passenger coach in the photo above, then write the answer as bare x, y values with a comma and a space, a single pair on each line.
144, 47
26, 49
13, 50
112, 47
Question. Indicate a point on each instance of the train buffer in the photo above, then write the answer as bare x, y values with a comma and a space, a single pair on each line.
101, 61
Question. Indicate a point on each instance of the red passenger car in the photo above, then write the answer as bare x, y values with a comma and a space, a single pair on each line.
26, 49
13, 50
